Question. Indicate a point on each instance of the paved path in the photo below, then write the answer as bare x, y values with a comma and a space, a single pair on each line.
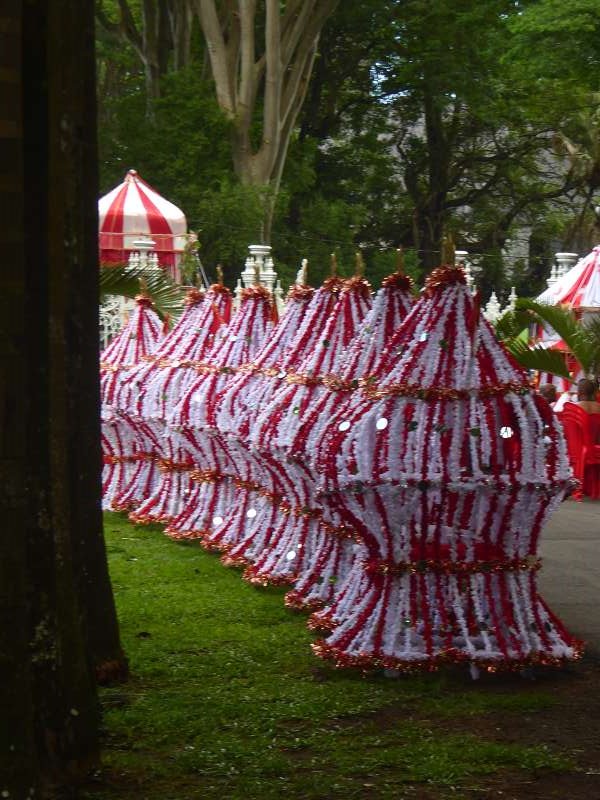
570, 576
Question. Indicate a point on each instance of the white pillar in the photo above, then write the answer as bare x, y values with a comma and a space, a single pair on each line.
254, 260
462, 261
553, 277
512, 300
565, 261
301, 275
268, 276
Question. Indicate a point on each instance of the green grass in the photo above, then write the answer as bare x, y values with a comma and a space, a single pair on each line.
227, 701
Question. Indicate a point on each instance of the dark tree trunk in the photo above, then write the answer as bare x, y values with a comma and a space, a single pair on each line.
52, 559
76, 317
428, 232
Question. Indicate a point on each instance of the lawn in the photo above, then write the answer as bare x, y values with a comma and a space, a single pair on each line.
227, 701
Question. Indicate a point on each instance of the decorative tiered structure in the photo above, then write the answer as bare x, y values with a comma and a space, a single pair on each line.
447, 466
330, 563
192, 420
125, 449
267, 482
265, 517
151, 392
236, 408
276, 430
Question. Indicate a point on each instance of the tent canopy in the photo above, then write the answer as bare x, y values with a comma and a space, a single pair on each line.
579, 288
133, 210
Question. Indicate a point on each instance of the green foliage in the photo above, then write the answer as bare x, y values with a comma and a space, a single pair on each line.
514, 325
229, 218
538, 358
558, 41
582, 339
421, 115
181, 151
566, 325
227, 701
128, 281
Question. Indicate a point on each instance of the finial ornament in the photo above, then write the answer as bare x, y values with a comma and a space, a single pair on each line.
219, 275
359, 268
302, 274
448, 250
333, 265
400, 259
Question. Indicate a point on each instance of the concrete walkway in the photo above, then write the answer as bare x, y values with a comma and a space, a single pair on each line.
570, 577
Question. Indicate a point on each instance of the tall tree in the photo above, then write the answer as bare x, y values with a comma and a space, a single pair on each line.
160, 32
469, 133
54, 589
261, 89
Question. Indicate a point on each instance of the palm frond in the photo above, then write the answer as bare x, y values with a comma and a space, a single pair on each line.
566, 325
125, 281
512, 324
538, 358
591, 328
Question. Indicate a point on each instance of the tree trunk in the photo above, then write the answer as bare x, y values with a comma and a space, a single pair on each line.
49, 452
180, 20
428, 233
280, 76
76, 177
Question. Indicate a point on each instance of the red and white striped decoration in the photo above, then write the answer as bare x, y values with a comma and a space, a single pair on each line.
447, 466
279, 429
579, 288
124, 448
264, 482
133, 210
150, 393
390, 461
193, 418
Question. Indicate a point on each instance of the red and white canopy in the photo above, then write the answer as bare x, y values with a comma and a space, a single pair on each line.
579, 288
133, 210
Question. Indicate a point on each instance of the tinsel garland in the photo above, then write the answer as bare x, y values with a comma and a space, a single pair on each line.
192, 421
368, 662
399, 479
120, 437
445, 448
154, 392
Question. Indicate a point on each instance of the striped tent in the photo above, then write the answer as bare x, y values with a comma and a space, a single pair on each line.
579, 288
133, 210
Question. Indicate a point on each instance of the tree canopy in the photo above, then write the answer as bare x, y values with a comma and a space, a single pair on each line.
416, 117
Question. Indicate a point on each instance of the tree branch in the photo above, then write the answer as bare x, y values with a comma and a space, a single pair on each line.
129, 28
247, 84
209, 20
108, 25
273, 82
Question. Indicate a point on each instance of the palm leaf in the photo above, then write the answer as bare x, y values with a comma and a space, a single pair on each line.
591, 329
564, 322
166, 295
538, 358
512, 324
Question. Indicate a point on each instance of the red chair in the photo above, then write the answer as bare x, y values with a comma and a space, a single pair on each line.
582, 432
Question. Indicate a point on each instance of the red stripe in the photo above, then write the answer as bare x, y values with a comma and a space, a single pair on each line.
156, 221
113, 222
573, 295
